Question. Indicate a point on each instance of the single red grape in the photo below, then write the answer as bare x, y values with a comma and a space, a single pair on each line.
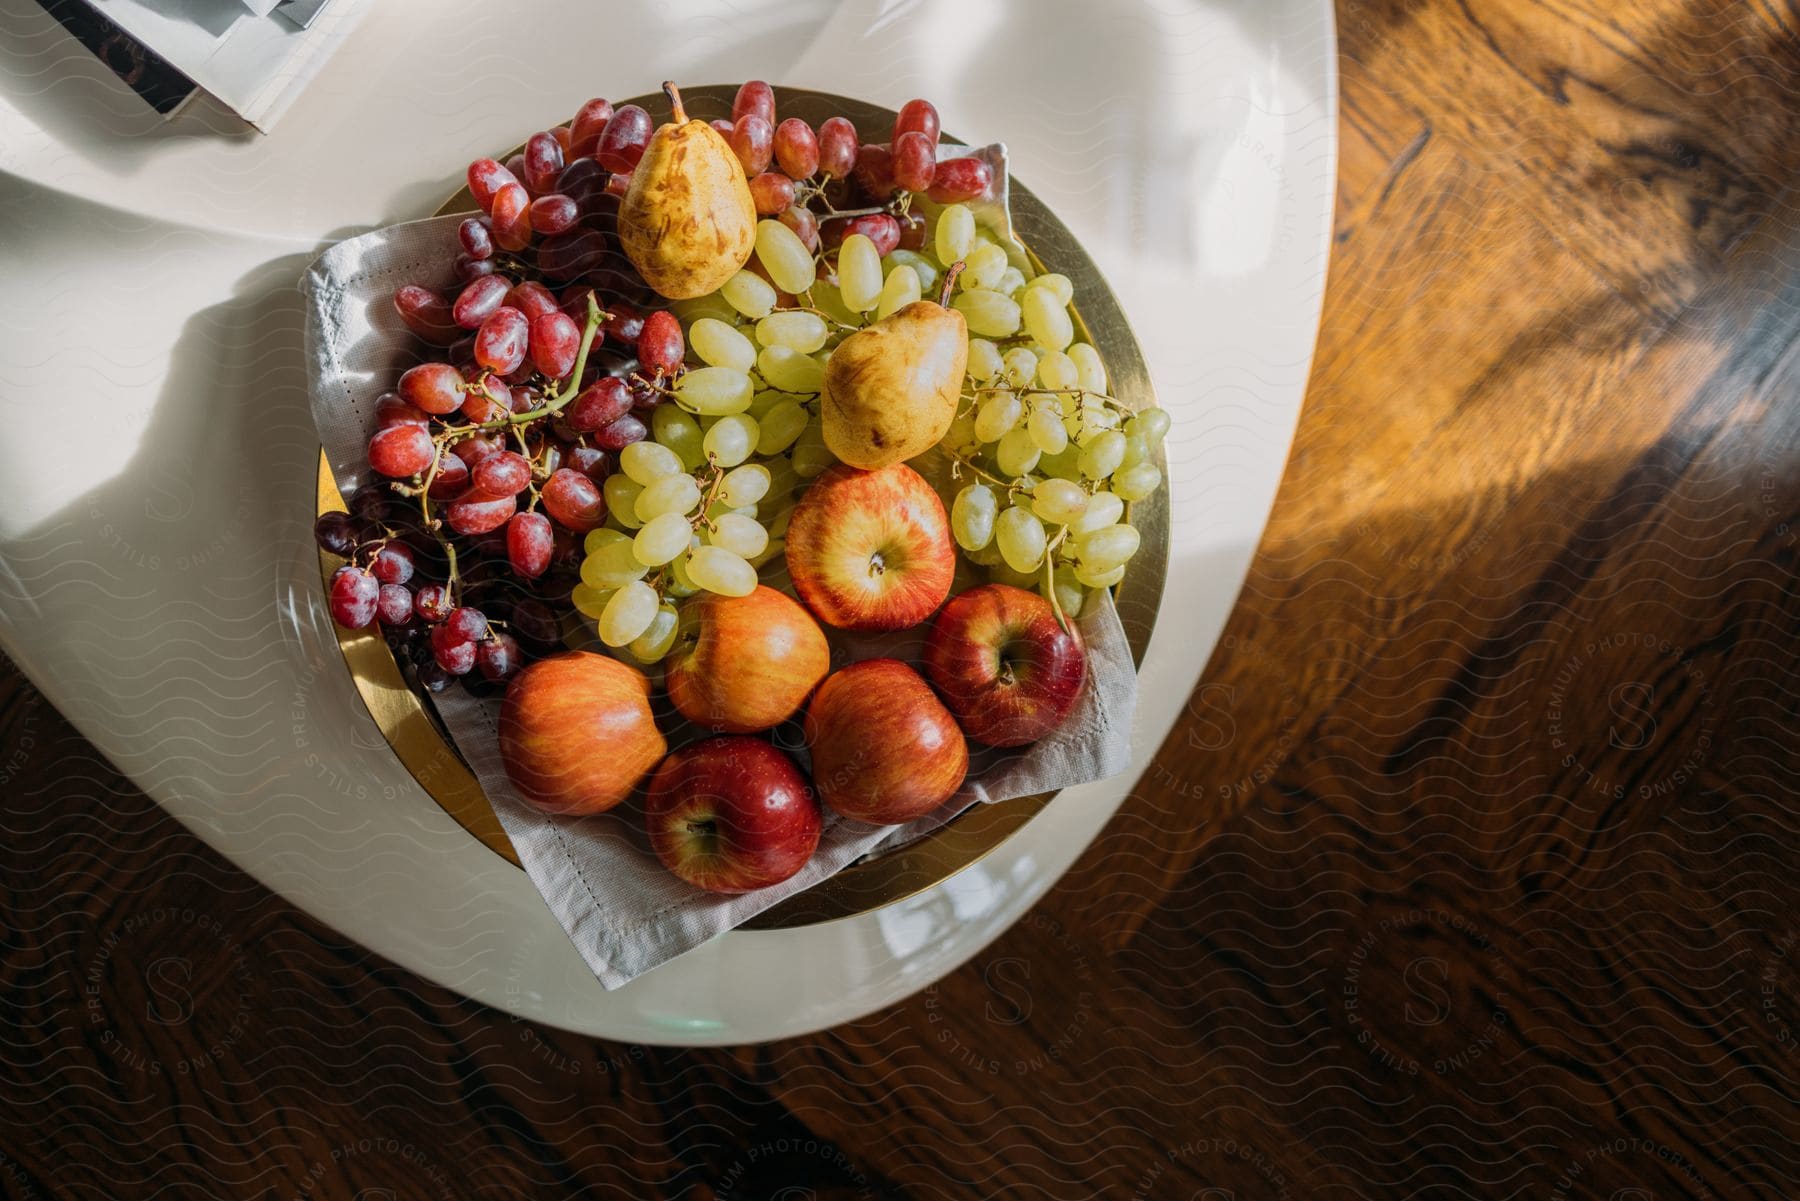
598, 405
525, 399
500, 343
722, 126
555, 341
471, 517
874, 170
879, 227
486, 178
503, 474
917, 116
400, 450
456, 656
478, 403
585, 130
473, 450
393, 563
336, 533
476, 238
466, 624
452, 478
960, 179
660, 347
469, 270
543, 162
837, 147
435, 388
528, 544
644, 396
621, 433
394, 606
806, 226
623, 140
584, 182
393, 409
574, 500
796, 148
754, 97
624, 322
426, 314
354, 595
590, 461
554, 213
512, 217
533, 299
499, 658
912, 232
753, 141
772, 193
915, 161
479, 299
432, 603
563, 138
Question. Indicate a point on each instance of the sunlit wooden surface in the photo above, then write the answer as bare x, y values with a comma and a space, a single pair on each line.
1471, 871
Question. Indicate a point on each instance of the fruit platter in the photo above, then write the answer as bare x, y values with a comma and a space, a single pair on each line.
761, 462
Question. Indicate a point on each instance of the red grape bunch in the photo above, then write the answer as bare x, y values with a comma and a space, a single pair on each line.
493, 454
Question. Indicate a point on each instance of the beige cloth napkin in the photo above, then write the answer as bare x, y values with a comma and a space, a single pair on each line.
621, 909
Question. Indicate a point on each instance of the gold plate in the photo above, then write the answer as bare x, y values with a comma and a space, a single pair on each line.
422, 745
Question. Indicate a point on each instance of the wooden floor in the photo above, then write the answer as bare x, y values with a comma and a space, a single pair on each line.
1470, 872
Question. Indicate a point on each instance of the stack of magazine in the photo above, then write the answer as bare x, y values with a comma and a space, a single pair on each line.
254, 56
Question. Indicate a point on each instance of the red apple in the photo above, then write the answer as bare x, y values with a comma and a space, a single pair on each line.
744, 663
870, 550
731, 815
884, 749
576, 734
1004, 664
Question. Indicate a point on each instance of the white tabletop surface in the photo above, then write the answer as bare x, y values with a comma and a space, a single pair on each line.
157, 579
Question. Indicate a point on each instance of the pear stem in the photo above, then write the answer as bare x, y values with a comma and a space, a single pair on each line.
950, 274
674, 95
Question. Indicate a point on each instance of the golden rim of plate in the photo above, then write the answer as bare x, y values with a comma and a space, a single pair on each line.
883, 878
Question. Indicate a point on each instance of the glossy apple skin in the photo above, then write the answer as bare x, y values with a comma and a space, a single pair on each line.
744, 663
576, 733
884, 748
1004, 666
731, 814
871, 550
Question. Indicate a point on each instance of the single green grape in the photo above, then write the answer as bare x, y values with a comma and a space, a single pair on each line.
1020, 536
721, 345
972, 516
750, 294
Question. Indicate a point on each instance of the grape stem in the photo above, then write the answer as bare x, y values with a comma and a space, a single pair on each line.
950, 274
1050, 577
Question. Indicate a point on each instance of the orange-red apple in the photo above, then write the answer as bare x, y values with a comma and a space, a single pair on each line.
884, 748
576, 734
744, 663
871, 550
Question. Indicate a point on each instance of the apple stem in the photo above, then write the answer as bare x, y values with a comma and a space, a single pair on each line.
950, 274
674, 95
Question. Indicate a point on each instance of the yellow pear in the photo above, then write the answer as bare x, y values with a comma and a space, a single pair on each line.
687, 222
891, 389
